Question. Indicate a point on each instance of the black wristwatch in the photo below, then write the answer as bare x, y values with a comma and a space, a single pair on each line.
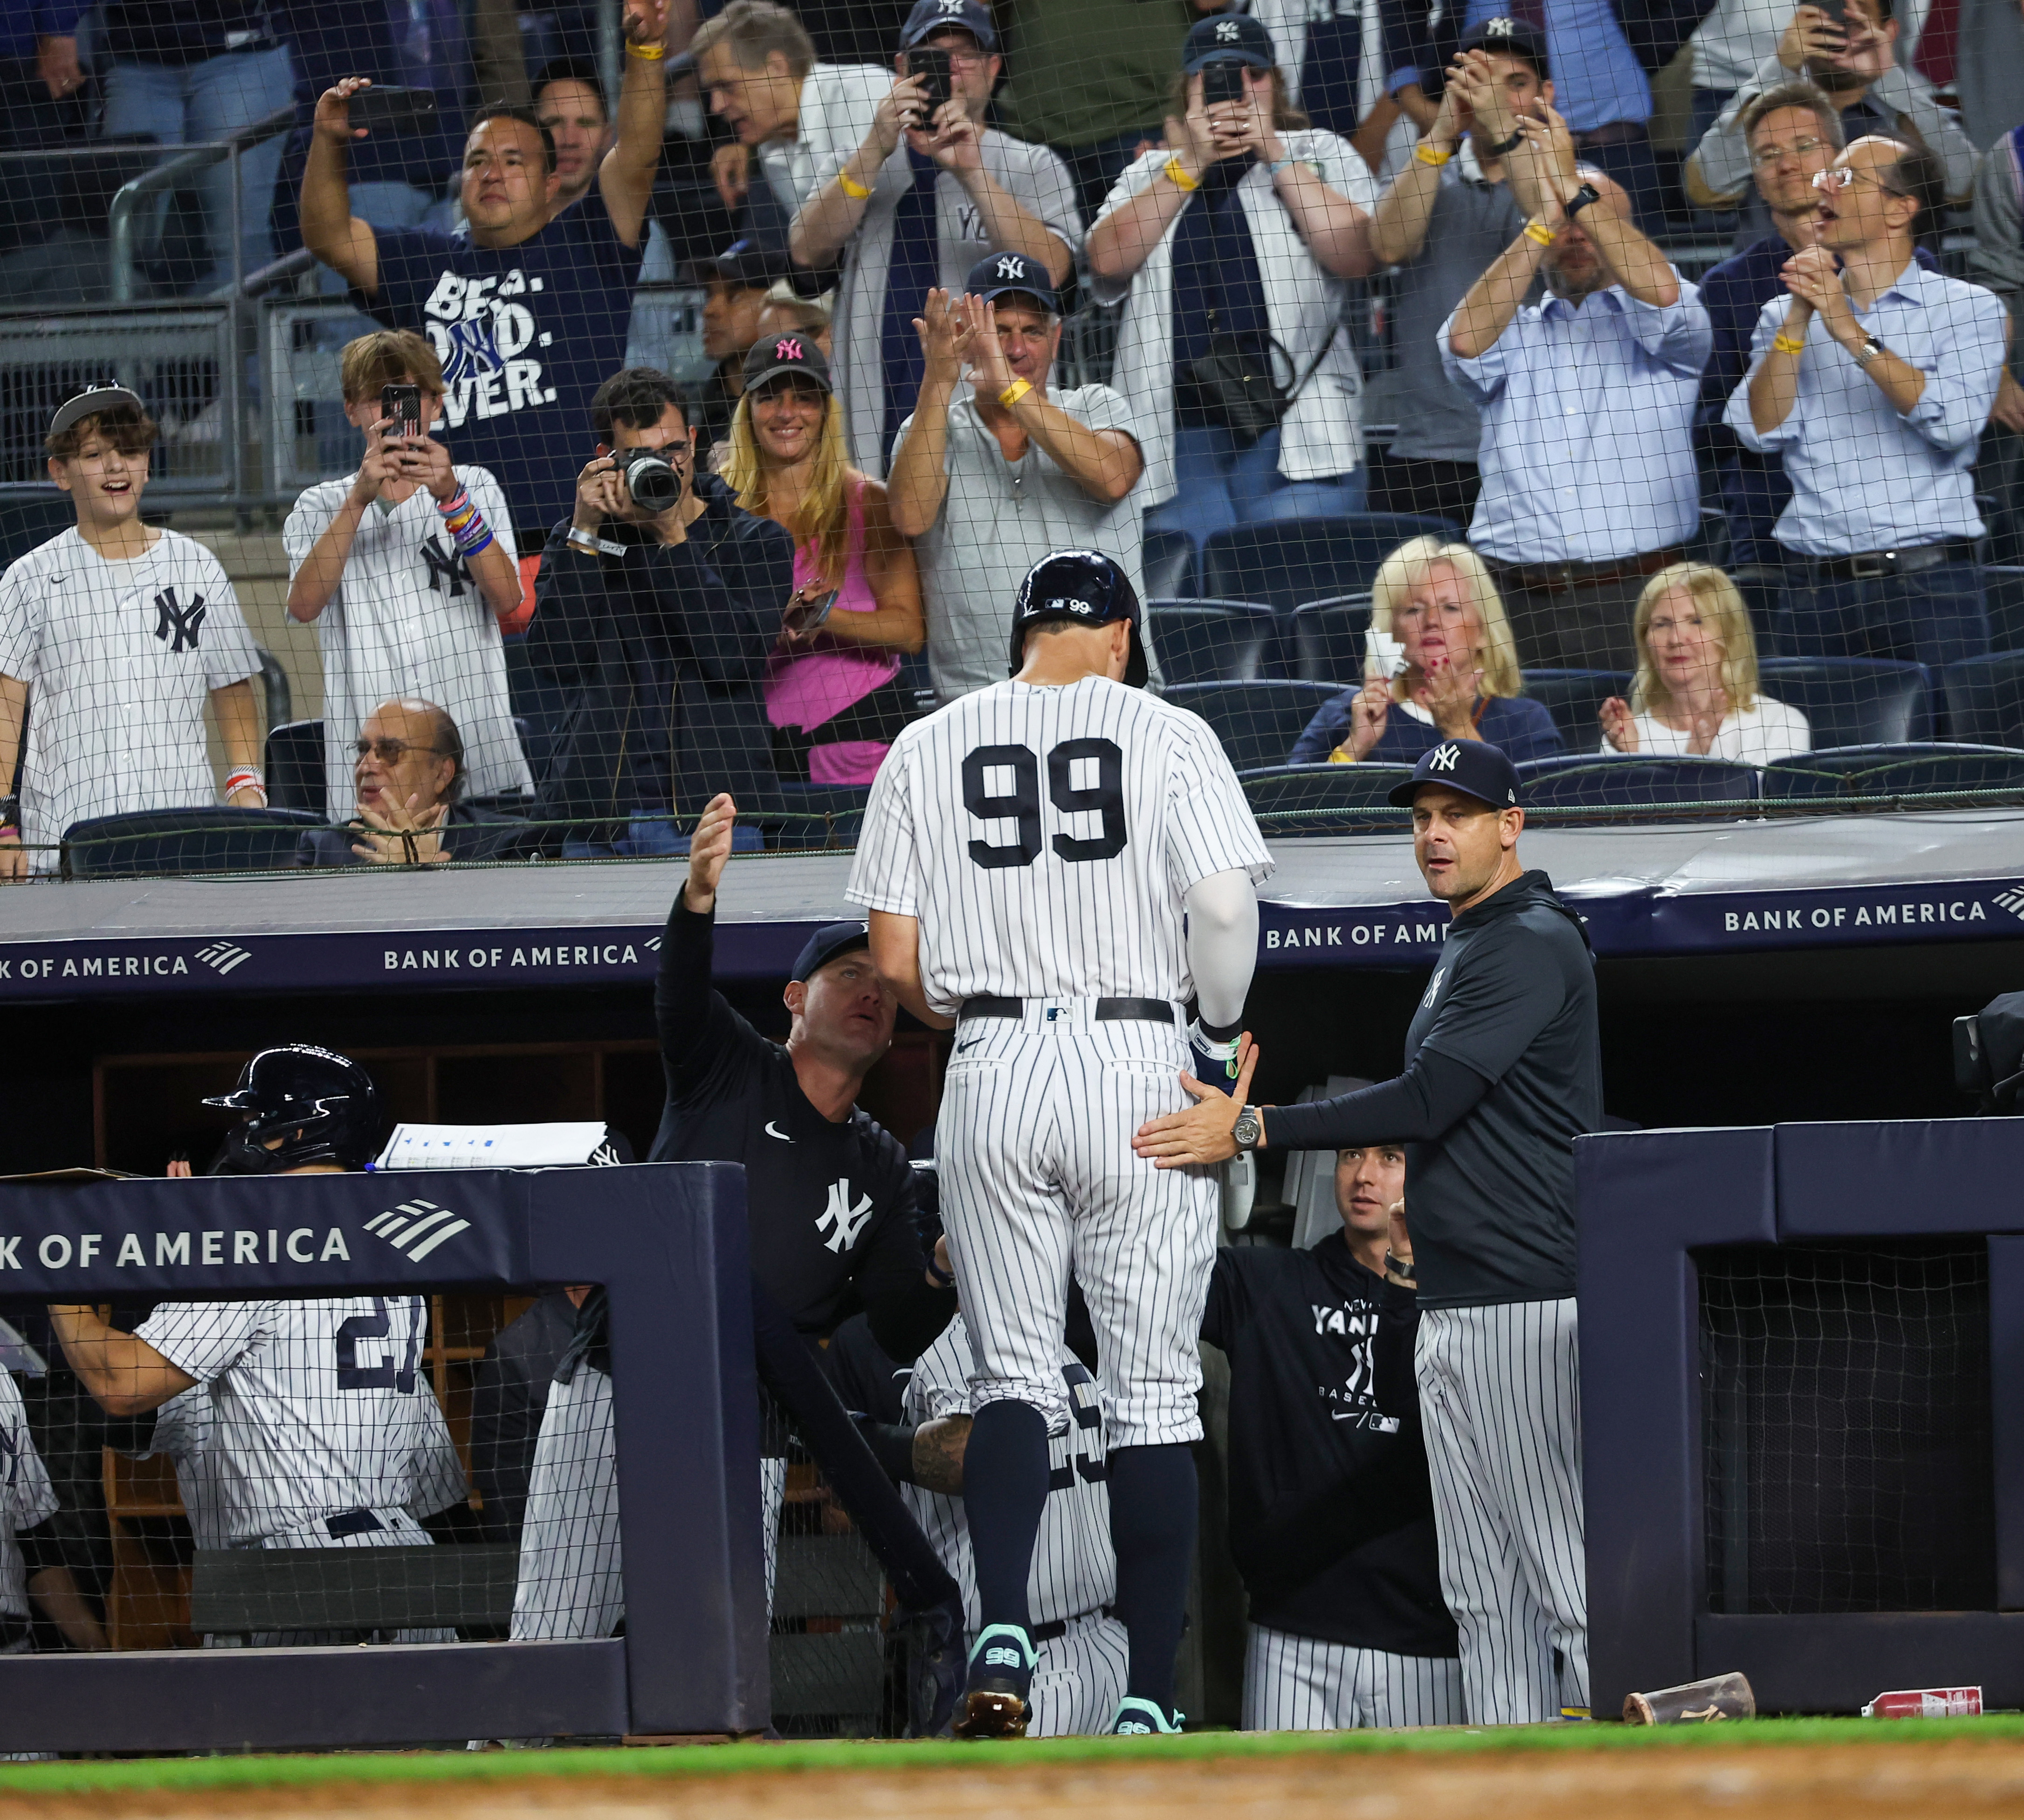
1248, 1128
1503, 146
1580, 199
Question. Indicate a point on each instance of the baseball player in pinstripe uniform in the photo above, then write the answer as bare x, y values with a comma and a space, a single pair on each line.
1028, 855
1503, 1073
27, 1499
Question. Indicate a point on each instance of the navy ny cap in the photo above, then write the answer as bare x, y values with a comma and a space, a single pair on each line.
827, 942
1471, 766
766, 360
930, 16
1227, 38
1508, 38
993, 275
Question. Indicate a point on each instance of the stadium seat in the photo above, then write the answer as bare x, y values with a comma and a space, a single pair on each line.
1852, 701
1328, 639
1597, 781
842, 803
1199, 641
1167, 565
1312, 559
1575, 698
1310, 791
1256, 721
1910, 768
295, 768
1985, 699
2005, 588
30, 518
162, 843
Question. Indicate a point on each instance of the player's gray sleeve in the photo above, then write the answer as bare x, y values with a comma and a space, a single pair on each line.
1223, 944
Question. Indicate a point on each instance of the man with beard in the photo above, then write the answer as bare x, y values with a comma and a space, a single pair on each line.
1588, 483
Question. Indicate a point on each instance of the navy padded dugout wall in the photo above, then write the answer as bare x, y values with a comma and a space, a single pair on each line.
668, 1242
1646, 1200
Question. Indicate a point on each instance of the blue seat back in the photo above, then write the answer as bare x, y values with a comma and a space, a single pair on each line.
1912, 769
295, 768
841, 804
29, 518
1284, 563
1985, 699
1591, 781
1310, 791
1575, 698
160, 842
1167, 565
1328, 639
1199, 641
1852, 701
1256, 721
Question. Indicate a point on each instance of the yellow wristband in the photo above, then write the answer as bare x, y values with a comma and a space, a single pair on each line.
1538, 230
855, 190
646, 53
1427, 155
1014, 393
1785, 344
1176, 170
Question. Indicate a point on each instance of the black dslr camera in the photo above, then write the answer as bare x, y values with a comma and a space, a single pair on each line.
654, 482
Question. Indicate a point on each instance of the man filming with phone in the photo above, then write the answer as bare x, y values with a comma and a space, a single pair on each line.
656, 609
913, 189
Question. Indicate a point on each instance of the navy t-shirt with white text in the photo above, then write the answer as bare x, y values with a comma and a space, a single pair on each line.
525, 334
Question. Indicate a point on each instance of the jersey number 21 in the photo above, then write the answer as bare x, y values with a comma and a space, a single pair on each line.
1104, 797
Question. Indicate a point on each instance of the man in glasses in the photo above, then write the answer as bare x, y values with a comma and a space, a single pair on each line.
658, 607
1873, 379
410, 807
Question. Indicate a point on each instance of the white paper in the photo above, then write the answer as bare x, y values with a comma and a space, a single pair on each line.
493, 1147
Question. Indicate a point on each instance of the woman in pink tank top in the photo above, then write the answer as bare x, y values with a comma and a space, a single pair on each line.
832, 689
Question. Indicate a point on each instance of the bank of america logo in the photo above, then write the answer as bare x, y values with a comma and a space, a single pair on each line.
223, 956
416, 1227
2012, 901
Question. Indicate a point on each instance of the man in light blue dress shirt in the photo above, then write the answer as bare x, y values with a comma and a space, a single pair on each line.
1589, 482
1873, 384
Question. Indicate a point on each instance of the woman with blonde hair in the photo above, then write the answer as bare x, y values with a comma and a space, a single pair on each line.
1440, 665
1695, 690
832, 692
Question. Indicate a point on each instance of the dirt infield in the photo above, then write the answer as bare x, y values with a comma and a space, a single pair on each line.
1950, 1774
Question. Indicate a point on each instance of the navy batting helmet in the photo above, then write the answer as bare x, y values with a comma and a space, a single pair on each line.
1084, 585
320, 1104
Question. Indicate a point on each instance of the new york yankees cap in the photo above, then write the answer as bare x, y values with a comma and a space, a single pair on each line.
1508, 38
1227, 38
90, 401
930, 16
827, 942
996, 273
793, 353
1471, 766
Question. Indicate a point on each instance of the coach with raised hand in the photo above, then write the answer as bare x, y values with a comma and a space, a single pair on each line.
1503, 1072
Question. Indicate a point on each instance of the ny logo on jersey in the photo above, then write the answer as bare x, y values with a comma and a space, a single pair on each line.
178, 623
1433, 989
848, 1221
1444, 758
447, 573
10, 1455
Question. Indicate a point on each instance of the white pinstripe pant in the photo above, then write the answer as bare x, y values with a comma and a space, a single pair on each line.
1038, 1178
1500, 1393
1302, 1684
1079, 1679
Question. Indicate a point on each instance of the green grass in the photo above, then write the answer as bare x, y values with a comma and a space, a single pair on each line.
196, 1773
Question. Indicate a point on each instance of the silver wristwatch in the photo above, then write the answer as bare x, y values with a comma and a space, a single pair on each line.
1248, 1129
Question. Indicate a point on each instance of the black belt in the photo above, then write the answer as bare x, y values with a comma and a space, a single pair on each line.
1047, 1633
1564, 577
1108, 1010
352, 1523
1878, 565
1611, 133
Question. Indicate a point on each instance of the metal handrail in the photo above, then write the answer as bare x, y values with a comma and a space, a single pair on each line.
119, 218
277, 272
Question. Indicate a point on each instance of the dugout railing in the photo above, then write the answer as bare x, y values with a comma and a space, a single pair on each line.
1802, 1451
668, 1241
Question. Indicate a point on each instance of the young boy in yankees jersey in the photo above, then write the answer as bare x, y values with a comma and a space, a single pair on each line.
1503, 1072
1028, 855
1331, 1516
122, 632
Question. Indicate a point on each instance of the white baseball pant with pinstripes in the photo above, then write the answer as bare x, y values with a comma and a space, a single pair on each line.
1302, 1684
1038, 1177
1500, 1394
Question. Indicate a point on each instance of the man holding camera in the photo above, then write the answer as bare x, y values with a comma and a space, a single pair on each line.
914, 191
658, 606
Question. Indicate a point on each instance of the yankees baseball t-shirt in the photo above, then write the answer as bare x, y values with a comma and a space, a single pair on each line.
119, 658
1331, 1511
408, 620
525, 334
831, 1204
26, 1497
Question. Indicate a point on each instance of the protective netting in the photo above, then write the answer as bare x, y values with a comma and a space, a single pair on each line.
1273, 329
1846, 1428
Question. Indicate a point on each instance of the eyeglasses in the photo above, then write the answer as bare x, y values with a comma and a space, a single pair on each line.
1763, 160
1839, 176
392, 751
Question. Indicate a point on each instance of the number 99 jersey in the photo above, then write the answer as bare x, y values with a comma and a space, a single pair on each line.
1046, 838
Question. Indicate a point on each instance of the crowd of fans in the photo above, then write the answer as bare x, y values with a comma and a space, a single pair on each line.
828, 535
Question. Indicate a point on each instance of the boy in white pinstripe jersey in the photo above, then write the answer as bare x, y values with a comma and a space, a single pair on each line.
1028, 855
1503, 1072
